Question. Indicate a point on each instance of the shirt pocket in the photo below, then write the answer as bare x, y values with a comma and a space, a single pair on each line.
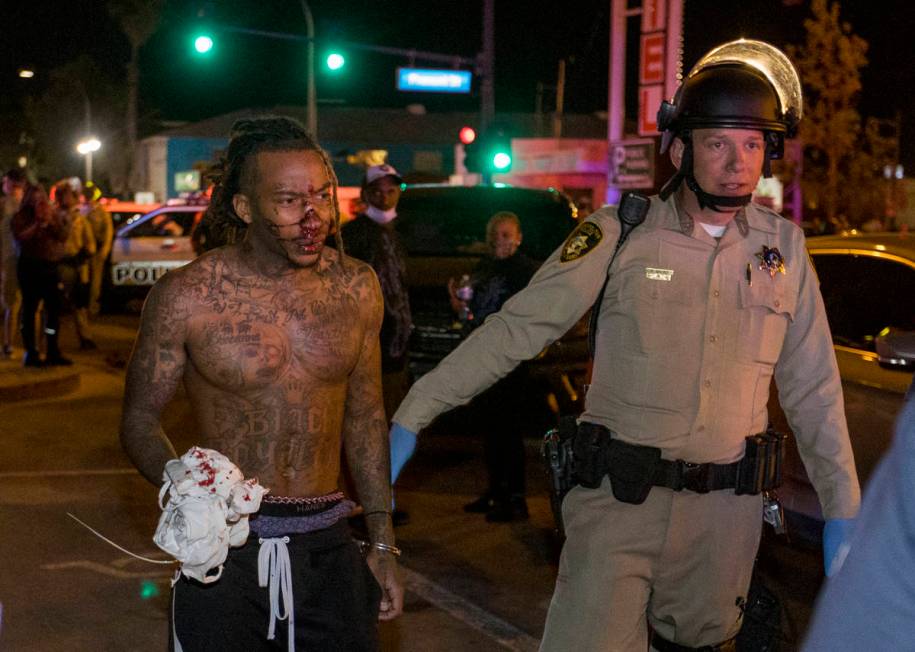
765, 309
657, 305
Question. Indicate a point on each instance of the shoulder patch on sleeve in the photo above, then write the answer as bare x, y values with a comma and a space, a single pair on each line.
582, 240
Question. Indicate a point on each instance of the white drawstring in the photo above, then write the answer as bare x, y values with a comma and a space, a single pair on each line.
274, 570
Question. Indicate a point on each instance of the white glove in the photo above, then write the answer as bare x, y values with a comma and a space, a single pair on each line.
207, 511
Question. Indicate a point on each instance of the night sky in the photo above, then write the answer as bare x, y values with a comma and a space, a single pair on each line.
531, 37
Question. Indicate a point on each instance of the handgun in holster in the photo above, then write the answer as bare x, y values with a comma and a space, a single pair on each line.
558, 458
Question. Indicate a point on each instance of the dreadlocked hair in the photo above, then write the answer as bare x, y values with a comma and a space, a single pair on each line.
235, 168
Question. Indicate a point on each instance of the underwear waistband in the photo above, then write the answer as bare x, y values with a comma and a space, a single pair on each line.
279, 519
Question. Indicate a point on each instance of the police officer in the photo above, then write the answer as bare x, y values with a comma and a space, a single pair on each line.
705, 301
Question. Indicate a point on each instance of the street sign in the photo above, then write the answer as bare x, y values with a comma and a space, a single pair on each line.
433, 80
654, 15
651, 59
649, 101
632, 164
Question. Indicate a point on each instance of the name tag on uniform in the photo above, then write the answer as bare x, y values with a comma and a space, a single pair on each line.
656, 274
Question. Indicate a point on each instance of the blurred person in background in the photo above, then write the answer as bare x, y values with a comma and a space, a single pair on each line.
74, 268
41, 233
372, 238
103, 229
13, 189
503, 273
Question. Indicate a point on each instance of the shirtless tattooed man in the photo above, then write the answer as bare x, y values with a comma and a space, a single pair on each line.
276, 340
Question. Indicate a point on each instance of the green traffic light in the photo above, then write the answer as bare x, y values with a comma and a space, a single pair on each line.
501, 161
335, 61
203, 44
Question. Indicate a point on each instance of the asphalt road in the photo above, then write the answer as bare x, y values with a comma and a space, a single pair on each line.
470, 585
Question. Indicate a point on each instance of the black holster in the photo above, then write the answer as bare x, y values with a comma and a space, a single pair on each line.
556, 452
633, 469
760, 468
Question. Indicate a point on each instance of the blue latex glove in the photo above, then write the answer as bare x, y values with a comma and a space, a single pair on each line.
836, 535
403, 444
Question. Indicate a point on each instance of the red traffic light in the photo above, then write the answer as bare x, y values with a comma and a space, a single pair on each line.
467, 135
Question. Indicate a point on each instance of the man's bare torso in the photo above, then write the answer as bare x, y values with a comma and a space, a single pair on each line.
268, 364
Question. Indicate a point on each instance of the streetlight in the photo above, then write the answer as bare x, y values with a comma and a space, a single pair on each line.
26, 73
86, 147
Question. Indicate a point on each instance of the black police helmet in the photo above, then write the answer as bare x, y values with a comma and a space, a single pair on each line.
732, 96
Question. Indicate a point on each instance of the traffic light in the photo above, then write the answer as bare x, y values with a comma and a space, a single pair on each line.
489, 153
203, 43
467, 135
498, 151
335, 61
473, 155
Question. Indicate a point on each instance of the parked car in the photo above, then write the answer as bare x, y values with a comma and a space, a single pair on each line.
147, 246
443, 230
868, 287
123, 211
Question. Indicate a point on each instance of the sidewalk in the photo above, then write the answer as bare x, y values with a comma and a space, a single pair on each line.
114, 335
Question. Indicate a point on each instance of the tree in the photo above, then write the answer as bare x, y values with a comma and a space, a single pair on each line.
78, 99
138, 20
829, 63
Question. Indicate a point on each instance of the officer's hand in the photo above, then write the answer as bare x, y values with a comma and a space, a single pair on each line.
403, 443
836, 535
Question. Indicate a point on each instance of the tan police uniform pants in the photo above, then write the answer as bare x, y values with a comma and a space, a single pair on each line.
682, 559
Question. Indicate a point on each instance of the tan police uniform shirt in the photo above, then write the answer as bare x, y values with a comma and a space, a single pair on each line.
80, 240
691, 331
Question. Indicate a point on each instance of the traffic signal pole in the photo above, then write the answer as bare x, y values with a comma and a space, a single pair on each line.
482, 63
355, 45
486, 64
312, 101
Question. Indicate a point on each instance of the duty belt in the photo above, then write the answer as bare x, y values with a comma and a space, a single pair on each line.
634, 469
700, 478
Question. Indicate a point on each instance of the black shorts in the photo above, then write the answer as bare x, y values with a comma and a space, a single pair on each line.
336, 600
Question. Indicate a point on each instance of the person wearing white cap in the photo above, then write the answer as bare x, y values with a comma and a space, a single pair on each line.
371, 237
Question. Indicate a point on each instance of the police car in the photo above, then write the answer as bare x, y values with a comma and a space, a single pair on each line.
123, 211
149, 245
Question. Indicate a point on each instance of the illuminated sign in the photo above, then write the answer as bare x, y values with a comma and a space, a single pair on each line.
187, 181
650, 98
433, 80
651, 60
632, 163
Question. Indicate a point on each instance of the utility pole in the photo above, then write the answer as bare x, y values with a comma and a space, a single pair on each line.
560, 99
311, 110
486, 59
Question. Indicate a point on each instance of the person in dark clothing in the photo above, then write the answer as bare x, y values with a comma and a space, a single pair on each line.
493, 282
371, 237
41, 233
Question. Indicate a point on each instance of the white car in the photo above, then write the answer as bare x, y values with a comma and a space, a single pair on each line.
868, 287
147, 246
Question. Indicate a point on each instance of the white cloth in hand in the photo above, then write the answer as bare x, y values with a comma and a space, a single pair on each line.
207, 511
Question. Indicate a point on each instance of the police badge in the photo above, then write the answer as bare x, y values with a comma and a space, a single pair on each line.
771, 260
583, 239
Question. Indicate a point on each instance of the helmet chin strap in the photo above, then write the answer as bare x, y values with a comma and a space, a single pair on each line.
718, 203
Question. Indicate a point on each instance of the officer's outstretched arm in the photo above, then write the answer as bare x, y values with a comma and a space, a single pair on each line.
557, 296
